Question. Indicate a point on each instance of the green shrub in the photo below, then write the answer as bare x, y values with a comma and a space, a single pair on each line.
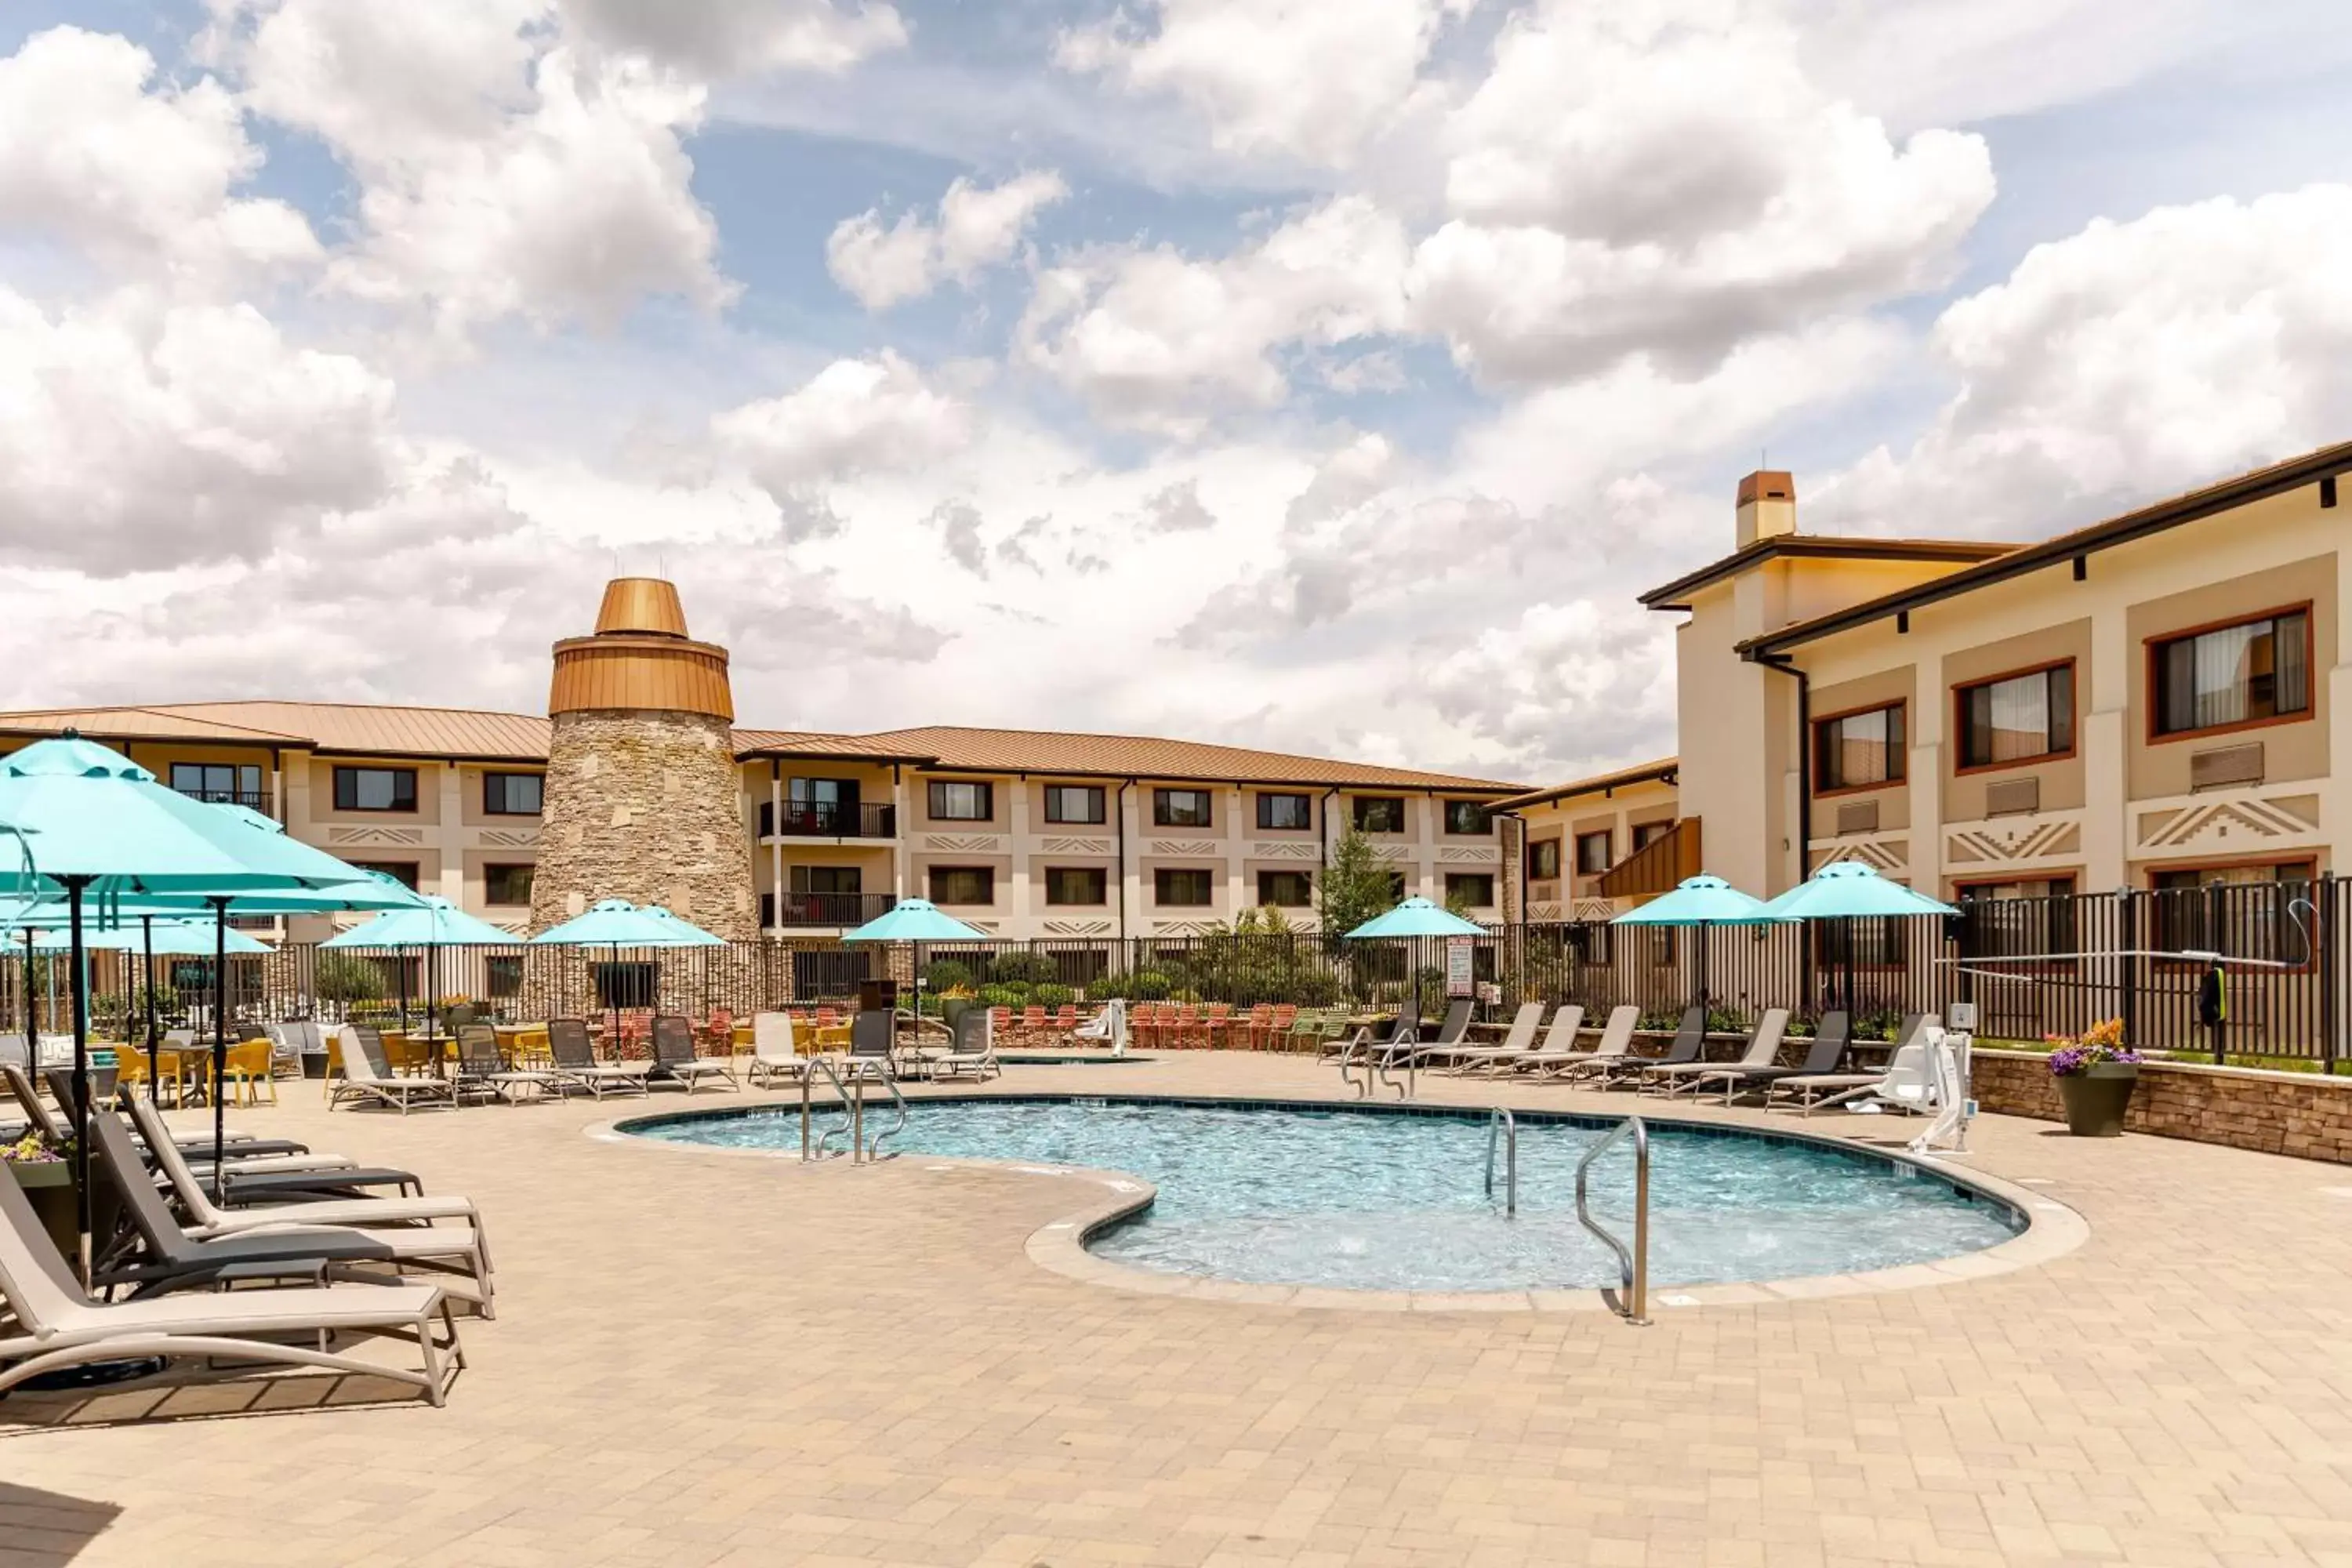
1022, 968
947, 975
1051, 993
1004, 995
347, 977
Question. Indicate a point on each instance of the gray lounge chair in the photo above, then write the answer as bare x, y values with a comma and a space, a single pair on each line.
675, 1060
1518, 1040
239, 1145
1821, 1057
974, 1047
483, 1072
1689, 1042
368, 1078
57, 1326
576, 1066
169, 1259
1763, 1049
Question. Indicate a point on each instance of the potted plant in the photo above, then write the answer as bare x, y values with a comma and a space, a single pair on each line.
953, 1001
2096, 1072
42, 1171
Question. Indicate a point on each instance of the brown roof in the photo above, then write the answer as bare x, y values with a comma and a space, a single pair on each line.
128, 723
1675, 595
1664, 771
379, 731
2319, 467
1139, 756
811, 743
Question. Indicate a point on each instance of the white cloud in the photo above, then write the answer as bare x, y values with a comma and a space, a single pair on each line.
1662, 176
729, 38
137, 435
1152, 338
1305, 80
2125, 362
976, 227
143, 180
852, 417
502, 173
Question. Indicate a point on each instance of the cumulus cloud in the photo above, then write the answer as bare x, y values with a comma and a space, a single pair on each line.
501, 172
1582, 677
730, 37
141, 174
959, 525
1178, 509
1152, 338
1308, 81
136, 433
1666, 177
975, 227
2127, 361
852, 417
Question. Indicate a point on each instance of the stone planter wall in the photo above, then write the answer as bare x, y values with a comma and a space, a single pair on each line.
2302, 1114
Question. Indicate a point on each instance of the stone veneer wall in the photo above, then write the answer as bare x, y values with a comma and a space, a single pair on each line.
2304, 1114
646, 806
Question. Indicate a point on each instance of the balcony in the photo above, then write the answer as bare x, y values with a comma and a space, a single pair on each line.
827, 819
251, 799
1656, 866
804, 909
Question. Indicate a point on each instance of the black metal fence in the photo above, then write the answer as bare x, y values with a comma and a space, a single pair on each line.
2032, 966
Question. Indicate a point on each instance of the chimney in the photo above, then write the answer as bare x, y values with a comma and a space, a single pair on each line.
1767, 506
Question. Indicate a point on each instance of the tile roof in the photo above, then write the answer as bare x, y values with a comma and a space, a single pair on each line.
1662, 771
389, 731
1139, 756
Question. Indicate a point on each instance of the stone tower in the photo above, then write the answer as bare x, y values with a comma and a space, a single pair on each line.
644, 801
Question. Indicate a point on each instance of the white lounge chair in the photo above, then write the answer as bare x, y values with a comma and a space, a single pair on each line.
774, 1055
57, 1326
1518, 1040
1763, 1050
1559, 1043
1614, 1050
368, 1081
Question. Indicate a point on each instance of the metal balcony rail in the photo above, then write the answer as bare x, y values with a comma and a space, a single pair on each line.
827, 819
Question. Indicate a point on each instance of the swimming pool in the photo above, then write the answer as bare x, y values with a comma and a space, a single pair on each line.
1393, 1198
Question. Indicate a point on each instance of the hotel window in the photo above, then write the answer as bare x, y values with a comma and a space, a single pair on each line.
2248, 911
1592, 852
827, 880
2018, 718
401, 871
1286, 889
1182, 888
2018, 919
2230, 676
1087, 885
1856, 751
1468, 818
511, 794
1180, 807
956, 802
1648, 833
504, 973
237, 783
506, 884
1543, 860
375, 789
1379, 814
1285, 813
1073, 803
962, 884
1470, 889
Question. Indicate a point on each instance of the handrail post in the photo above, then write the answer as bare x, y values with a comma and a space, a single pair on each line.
1501, 1121
1633, 1264
858, 1121
804, 1117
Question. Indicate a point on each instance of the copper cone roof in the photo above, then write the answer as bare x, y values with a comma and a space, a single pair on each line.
640, 658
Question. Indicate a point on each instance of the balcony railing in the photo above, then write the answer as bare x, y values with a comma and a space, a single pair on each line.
251, 799
1657, 866
827, 819
824, 909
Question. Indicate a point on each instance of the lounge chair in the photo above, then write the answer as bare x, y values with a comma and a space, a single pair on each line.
1762, 1050
872, 1046
239, 1145
482, 1071
248, 1178
576, 1066
675, 1061
1558, 1047
1821, 1057
211, 1220
975, 1048
1447, 1042
368, 1078
57, 1326
172, 1259
1907, 1084
774, 1055
1517, 1041
1612, 1051
1689, 1042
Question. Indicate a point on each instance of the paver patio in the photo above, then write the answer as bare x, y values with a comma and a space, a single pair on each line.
703, 1358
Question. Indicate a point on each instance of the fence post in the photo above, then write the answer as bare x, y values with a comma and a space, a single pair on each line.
2323, 954
2127, 965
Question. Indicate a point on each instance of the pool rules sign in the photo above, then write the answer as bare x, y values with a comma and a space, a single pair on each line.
1458, 981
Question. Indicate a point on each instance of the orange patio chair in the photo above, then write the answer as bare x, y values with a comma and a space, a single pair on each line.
1032, 1022
1065, 1018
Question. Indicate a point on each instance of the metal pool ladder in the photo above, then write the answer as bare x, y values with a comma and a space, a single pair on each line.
1499, 1120
852, 1106
1633, 1266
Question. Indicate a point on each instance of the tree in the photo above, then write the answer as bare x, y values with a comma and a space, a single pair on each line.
1357, 884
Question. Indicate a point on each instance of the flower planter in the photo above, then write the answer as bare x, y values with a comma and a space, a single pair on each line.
49, 1184
2096, 1098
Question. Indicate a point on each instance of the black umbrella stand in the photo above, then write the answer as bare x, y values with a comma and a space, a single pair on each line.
78, 1113
220, 1043
154, 1040
32, 1028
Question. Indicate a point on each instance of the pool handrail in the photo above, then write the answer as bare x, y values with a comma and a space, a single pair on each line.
1501, 1120
1633, 1264
841, 1102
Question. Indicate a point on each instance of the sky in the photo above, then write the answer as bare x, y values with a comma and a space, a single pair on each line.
1327, 377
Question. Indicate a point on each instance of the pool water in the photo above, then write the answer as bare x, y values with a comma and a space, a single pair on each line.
1368, 1199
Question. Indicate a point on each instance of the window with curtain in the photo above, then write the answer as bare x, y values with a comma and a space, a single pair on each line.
1469, 817
1285, 813
1087, 886
2234, 675
954, 801
1286, 889
1379, 814
1183, 888
1595, 852
962, 884
1855, 750
1543, 860
1073, 803
2018, 718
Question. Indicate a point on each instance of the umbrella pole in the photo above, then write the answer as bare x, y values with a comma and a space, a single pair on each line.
1698, 963
220, 1043
80, 1109
154, 1045
32, 1024
400, 968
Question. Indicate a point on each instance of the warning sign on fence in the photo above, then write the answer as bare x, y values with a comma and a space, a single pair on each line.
1457, 966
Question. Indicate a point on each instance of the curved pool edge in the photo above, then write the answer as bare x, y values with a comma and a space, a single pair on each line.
2053, 1229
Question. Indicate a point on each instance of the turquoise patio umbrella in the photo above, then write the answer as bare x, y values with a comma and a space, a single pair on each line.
1700, 902
83, 821
914, 920
618, 923
1410, 920
1850, 890
432, 924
